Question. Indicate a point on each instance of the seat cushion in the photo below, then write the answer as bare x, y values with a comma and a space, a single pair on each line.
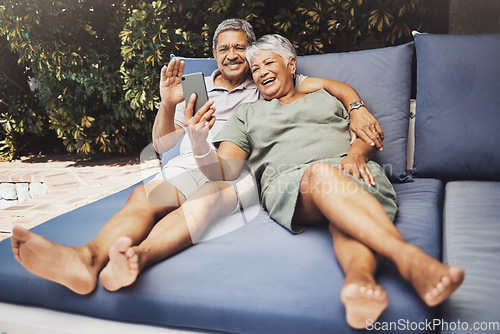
382, 78
259, 278
458, 99
471, 240
419, 221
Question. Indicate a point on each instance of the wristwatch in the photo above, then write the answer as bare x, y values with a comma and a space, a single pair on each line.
356, 105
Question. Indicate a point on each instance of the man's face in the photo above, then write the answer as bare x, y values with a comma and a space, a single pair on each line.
230, 55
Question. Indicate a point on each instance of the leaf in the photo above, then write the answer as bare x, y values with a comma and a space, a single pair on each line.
87, 121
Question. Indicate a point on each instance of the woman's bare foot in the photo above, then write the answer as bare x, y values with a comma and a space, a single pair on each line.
434, 281
123, 266
58, 263
364, 301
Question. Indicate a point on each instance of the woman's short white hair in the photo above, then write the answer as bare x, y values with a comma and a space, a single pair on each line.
274, 43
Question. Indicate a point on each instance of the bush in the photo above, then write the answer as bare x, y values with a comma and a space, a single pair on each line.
22, 121
97, 62
73, 51
157, 29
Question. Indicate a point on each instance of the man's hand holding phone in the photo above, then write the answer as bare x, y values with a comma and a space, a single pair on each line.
199, 124
195, 83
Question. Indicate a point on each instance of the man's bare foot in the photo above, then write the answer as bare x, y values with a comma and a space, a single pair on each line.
58, 263
434, 281
123, 266
364, 300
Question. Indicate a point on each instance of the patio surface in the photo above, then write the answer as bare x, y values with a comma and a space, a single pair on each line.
71, 183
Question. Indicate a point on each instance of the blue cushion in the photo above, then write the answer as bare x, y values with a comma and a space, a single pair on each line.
458, 98
257, 279
204, 65
471, 235
382, 78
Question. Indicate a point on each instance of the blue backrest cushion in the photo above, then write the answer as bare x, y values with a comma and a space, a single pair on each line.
204, 65
382, 78
458, 107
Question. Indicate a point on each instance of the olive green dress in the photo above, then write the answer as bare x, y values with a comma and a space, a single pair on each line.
283, 140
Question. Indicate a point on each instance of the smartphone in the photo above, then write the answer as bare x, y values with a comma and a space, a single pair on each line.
194, 83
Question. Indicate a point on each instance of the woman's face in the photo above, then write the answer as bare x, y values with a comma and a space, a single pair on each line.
272, 77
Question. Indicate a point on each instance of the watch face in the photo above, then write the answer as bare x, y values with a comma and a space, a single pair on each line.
356, 104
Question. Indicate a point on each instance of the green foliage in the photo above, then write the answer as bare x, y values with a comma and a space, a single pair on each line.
73, 51
21, 120
159, 28
97, 62
316, 26
153, 31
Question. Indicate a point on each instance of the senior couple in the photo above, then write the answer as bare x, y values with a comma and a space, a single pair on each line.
329, 179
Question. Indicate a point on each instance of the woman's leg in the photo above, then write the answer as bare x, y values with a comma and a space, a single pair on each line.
77, 268
326, 191
363, 298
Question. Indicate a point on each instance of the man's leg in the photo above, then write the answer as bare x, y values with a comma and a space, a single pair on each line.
363, 298
77, 267
327, 192
176, 231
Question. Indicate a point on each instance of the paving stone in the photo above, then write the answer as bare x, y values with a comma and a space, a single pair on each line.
22, 192
8, 191
38, 189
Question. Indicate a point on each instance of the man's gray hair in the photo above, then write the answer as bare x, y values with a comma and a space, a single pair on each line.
237, 25
274, 43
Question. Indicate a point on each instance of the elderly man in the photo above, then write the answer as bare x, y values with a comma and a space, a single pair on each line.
169, 214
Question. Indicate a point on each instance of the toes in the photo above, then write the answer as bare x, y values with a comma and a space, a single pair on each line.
352, 290
20, 234
456, 274
129, 252
355, 291
123, 243
445, 287
134, 265
380, 294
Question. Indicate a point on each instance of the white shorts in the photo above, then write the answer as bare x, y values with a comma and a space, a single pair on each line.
187, 181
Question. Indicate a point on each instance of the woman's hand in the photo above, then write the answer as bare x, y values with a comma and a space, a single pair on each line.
366, 127
198, 125
355, 164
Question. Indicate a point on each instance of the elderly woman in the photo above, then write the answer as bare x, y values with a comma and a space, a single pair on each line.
298, 145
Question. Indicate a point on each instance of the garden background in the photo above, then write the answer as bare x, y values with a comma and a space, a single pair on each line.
82, 75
